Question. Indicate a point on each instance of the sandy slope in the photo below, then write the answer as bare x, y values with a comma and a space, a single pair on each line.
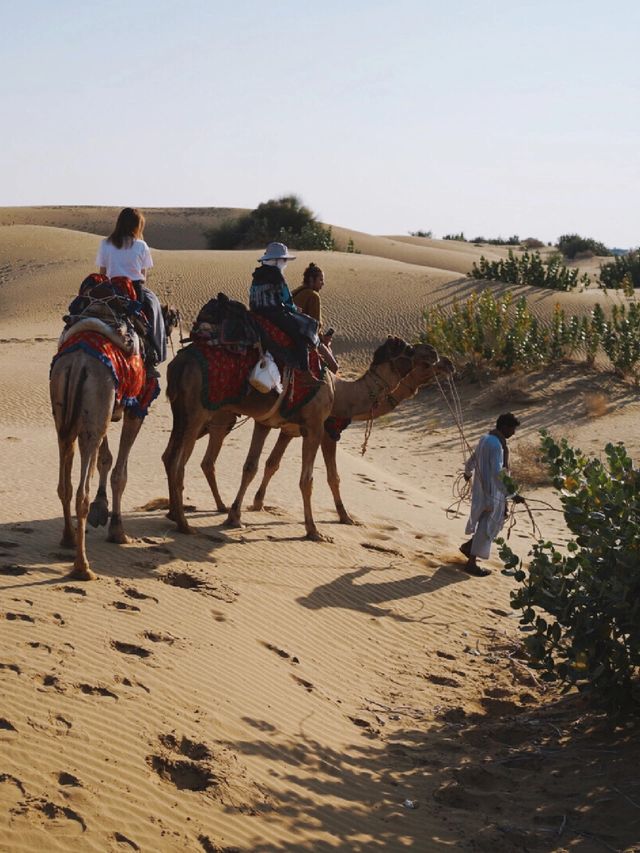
246, 689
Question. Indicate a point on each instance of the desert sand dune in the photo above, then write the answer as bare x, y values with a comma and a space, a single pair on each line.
248, 690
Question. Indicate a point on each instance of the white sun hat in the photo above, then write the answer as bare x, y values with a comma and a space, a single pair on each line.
276, 252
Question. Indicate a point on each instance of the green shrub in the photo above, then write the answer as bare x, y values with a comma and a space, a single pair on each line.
498, 241
622, 272
591, 592
529, 269
572, 244
489, 332
459, 237
421, 234
285, 219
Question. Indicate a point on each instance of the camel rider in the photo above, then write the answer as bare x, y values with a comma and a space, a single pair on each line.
307, 299
270, 297
489, 495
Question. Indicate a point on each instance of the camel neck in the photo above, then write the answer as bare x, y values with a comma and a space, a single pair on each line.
370, 394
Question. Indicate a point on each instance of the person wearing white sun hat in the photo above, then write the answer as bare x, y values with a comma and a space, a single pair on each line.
270, 296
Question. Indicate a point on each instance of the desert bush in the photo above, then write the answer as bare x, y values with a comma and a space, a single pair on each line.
580, 608
529, 466
351, 248
622, 272
571, 244
596, 404
498, 241
459, 237
285, 219
529, 269
492, 332
532, 243
421, 234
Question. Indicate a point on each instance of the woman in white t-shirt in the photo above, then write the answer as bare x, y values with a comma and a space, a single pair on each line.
124, 253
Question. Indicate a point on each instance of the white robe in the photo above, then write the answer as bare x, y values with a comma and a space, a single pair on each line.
489, 495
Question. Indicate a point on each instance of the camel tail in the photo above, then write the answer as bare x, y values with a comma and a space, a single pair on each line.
71, 403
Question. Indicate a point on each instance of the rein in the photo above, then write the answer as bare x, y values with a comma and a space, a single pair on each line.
385, 388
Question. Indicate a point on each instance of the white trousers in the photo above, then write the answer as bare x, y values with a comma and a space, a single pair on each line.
481, 542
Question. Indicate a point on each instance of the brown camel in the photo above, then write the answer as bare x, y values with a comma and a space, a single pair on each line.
82, 400
393, 360
351, 401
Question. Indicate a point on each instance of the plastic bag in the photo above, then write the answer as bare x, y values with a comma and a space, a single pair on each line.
265, 376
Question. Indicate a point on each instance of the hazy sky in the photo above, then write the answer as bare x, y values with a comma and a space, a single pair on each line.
492, 118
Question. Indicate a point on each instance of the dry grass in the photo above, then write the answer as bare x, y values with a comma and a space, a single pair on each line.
596, 404
527, 465
510, 390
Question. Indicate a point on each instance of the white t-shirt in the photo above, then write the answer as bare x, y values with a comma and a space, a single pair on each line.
128, 261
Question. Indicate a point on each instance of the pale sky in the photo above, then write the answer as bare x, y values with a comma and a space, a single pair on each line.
491, 118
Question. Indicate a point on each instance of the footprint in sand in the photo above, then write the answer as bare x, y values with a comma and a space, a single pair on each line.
443, 680
130, 649
445, 655
42, 808
52, 681
132, 592
18, 617
157, 637
11, 667
6, 726
308, 686
94, 690
122, 839
128, 683
69, 780
74, 590
371, 546
122, 605
186, 580
280, 652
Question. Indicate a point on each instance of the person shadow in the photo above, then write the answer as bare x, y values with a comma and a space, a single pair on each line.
370, 597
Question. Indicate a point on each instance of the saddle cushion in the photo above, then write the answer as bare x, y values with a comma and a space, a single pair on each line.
134, 390
225, 371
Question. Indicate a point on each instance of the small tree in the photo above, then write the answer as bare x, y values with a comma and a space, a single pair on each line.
622, 272
572, 244
580, 608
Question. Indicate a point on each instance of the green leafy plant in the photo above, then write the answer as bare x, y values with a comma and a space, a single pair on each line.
580, 607
285, 219
622, 272
572, 245
529, 269
497, 333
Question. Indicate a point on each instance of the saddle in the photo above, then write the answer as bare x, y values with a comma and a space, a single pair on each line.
226, 323
110, 307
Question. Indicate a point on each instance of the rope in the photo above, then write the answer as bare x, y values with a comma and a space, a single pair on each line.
368, 428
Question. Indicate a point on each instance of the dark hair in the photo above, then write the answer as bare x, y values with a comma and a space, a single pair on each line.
129, 227
312, 272
508, 419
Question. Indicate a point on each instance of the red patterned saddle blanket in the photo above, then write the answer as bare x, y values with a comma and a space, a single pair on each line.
225, 373
134, 389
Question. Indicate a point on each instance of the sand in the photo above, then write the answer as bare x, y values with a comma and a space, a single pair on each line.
247, 689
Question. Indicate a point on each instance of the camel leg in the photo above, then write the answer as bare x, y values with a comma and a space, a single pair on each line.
65, 491
99, 509
175, 457
271, 466
310, 443
89, 443
217, 435
130, 429
329, 448
249, 471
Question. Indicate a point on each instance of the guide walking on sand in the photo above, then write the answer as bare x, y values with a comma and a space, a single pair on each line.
489, 493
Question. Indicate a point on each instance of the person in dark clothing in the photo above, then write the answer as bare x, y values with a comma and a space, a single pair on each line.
270, 297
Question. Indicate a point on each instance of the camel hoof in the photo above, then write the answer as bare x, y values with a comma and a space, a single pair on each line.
82, 573
346, 519
98, 514
316, 536
256, 507
222, 508
187, 530
118, 537
233, 522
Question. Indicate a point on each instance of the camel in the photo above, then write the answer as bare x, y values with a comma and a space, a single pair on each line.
392, 361
352, 401
83, 396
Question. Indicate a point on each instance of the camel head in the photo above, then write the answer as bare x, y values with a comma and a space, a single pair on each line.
425, 367
397, 354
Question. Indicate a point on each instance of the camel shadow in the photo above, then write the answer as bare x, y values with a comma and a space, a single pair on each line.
344, 592
33, 547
